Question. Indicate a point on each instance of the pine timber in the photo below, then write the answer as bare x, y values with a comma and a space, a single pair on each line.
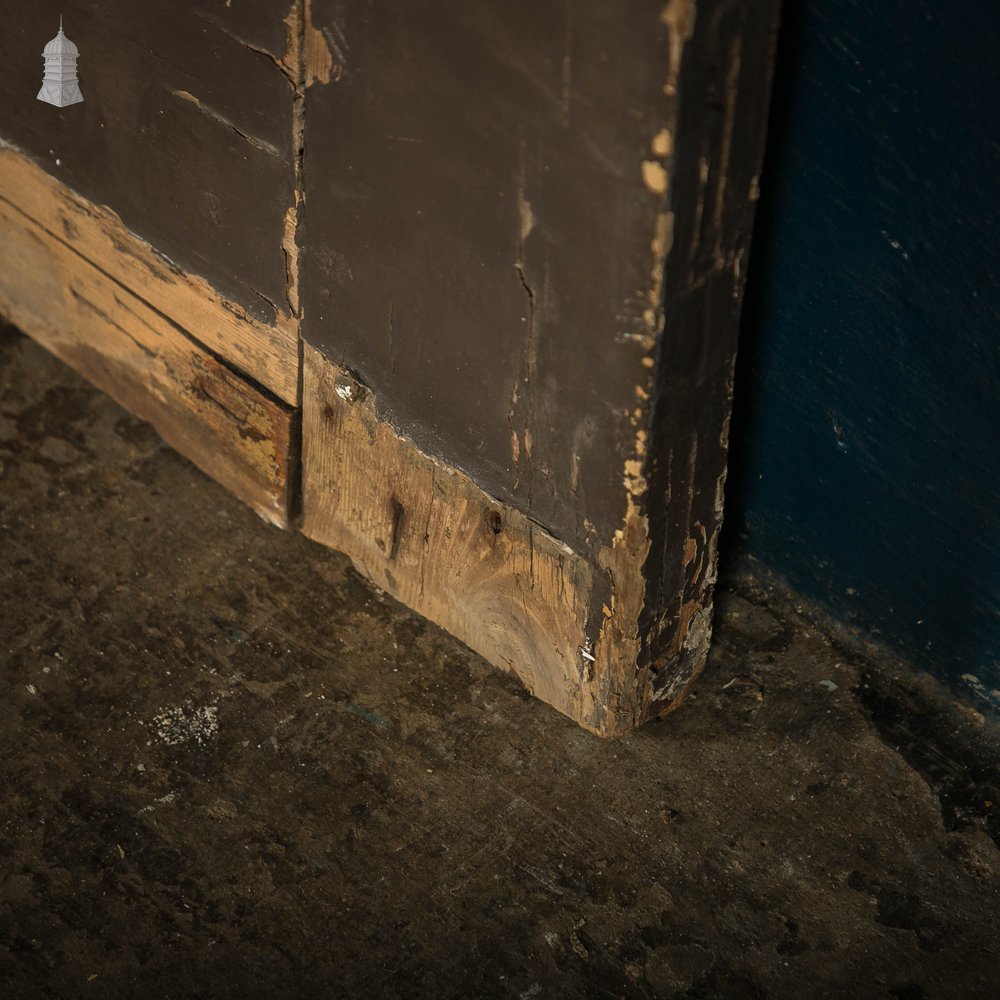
268, 354
427, 534
508, 241
526, 227
185, 129
71, 282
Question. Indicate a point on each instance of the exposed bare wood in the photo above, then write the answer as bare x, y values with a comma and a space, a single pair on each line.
268, 354
233, 431
433, 539
543, 472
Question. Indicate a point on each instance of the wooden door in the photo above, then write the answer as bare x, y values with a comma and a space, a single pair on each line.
490, 253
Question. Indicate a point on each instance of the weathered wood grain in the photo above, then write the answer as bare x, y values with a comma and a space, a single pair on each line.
234, 431
527, 227
523, 231
431, 537
428, 535
267, 353
479, 233
206, 180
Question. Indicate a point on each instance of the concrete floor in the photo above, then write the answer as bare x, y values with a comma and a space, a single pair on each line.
231, 768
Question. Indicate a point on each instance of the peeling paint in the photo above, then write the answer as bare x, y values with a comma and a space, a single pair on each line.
291, 251
679, 17
699, 632
619, 643
690, 551
294, 66
524, 415
663, 238
662, 144
635, 481
320, 66
527, 216
654, 176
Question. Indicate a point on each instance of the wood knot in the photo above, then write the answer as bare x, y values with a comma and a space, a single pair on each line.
494, 521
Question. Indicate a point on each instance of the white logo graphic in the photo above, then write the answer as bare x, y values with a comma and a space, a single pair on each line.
59, 85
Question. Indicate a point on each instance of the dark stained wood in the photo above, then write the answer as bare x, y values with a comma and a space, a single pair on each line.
479, 230
234, 430
527, 228
185, 129
724, 83
266, 354
523, 231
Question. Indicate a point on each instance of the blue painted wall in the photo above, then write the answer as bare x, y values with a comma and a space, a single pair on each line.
866, 441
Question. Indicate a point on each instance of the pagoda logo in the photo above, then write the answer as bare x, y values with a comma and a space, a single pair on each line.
59, 85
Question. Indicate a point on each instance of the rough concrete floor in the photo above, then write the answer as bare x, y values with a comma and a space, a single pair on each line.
231, 768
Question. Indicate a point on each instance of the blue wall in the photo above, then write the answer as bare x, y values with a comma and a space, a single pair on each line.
866, 441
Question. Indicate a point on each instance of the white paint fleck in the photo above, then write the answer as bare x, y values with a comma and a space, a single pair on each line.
187, 724
161, 801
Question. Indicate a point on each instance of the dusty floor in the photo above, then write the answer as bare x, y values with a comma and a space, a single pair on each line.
230, 768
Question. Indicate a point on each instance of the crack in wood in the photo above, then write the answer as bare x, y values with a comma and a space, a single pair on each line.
257, 143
